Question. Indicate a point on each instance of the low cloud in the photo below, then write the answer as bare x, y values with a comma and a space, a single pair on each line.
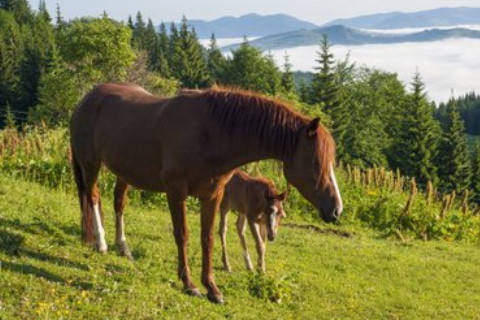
445, 66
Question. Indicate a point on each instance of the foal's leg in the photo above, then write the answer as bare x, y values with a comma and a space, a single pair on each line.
241, 223
260, 244
119, 204
176, 203
222, 230
209, 207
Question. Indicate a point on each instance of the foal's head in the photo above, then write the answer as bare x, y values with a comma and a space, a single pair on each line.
274, 212
311, 170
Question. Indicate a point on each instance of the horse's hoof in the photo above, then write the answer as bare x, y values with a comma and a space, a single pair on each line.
227, 269
194, 292
215, 298
101, 249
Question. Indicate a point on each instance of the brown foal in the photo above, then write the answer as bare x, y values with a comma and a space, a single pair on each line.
257, 202
189, 145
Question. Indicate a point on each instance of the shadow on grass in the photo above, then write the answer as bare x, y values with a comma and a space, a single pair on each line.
28, 269
39, 226
11, 245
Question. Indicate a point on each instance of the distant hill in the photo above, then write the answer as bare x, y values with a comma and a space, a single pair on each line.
251, 25
348, 36
429, 18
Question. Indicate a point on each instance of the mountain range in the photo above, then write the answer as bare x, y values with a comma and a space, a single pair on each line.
255, 25
252, 25
342, 35
421, 19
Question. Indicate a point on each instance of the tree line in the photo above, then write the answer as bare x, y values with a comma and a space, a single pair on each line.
47, 64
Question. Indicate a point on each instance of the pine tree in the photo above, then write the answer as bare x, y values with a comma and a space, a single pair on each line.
139, 32
130, 23
163, 49
416, 144
340, 112
59, 21
215, 61
324, 87
43, 11
475, 165
187, 61
454, 162
152, 46
288, 82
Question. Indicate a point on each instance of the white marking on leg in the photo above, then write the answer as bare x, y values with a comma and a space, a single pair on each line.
121, 229
99, 231
337, 191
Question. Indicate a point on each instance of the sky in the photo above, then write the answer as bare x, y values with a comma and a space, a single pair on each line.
447, 67
316, 11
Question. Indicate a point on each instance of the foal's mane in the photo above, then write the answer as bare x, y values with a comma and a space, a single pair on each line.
274, 122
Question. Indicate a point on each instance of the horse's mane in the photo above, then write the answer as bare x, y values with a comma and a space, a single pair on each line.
274, 122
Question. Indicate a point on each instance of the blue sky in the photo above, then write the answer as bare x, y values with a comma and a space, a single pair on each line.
316, 11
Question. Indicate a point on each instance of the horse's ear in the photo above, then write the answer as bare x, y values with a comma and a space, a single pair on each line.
282, 196
312, 128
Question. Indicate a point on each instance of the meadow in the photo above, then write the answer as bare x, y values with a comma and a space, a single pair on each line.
378, 262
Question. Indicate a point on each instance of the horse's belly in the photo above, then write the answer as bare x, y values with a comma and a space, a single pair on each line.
141, 177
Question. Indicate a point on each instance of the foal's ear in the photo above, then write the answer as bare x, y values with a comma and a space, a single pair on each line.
282, 196
312, 128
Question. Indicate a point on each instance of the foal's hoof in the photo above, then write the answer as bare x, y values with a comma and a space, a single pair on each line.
215, 298
194, 292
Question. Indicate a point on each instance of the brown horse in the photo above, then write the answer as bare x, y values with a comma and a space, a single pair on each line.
257, 201
190, 145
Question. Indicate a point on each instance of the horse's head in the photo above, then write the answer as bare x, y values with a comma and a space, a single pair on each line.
310, 170
274, 213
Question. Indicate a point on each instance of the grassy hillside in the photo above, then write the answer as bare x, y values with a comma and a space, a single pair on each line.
315, 273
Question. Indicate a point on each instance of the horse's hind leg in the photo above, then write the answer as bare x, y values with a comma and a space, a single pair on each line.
90, 176
222, 230
120, 194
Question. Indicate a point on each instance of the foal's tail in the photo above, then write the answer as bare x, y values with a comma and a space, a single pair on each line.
87, 210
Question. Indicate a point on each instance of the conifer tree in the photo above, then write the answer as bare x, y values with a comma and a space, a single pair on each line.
288, 82
416, 144
43, 11
324, 87
152, 46
59, 21
454, 162
475, 180
187, 61
163, 49
139, 32
130, 23
215, 61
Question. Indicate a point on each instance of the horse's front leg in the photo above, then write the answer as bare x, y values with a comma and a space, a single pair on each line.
176, 203
120, 194
209, 207
255, 227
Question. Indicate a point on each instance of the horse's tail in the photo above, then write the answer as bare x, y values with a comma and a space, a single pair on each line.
87, 210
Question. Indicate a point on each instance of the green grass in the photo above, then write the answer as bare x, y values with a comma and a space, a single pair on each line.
47, 274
